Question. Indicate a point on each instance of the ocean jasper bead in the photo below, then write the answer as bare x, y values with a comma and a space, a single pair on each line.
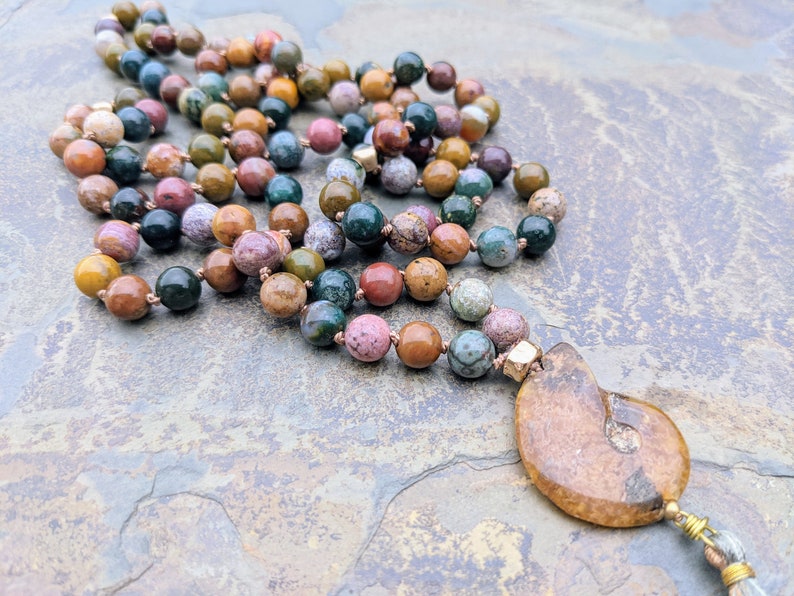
197, 223
471, 354
376, 85
230, 222
336, 197
284, 89
356, 127
214, 85
344, 97
104, 128
206, 148
283, 242
326, 238
118, 240
217, 119
320, 322
408, 234
423, 118
160, 229
211, 60
95, 191
254, 251
84, 158
382, 110
505, 327
253, 176
408, 68
285, 150
402, 97
127, 97
191, 103
439, 178
455, 150
474, 182
283, 189
127, 13
349, 170
449, 243
291, 218
497, 247
216, 181
491, 108
548, 202
425, 279
94, 272
126, 297
441, 77
174, 194
128, 204
313, 83
131, 63
244, 144
466, 91
62, 136
324, 136
171, 87
420, 344
399, 175
496, 162
277, 110
364, 68
156, 112
304, 263
152, 75
244, 91
419, 150
390, 137
368, 338
263, 44
448, 121
337, 70
539, 233
178, 288
471, 299
240, 53
124, 164
335, 285
382, 284
282, 295
530, 177
362, 224
164, 40
251, 119
220, 273
286, 56
189, 40
474, 123
165, 160
458, 209
427, 215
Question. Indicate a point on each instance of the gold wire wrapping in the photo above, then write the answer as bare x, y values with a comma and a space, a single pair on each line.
736, 572
695, 527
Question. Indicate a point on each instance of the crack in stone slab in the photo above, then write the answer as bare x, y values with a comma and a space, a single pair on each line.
4, 19
126, 582
754, 467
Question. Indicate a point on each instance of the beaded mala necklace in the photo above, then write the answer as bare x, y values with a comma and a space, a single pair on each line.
625, 466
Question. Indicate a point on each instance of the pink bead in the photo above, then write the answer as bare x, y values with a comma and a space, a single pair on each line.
427, 215
254, 251
449, 121
344, 97
157, 113
174, 194
367, 338
253, 174
324, 135
118, 240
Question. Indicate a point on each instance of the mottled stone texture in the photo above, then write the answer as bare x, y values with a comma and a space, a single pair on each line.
215, 451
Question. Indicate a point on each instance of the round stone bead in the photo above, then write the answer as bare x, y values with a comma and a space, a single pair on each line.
240, 53
128, 204
254, 174
124, 164
178, 288
458, 209
454, 150
290, 217
390, 137
254, 251
118, 240
408, 68
336, 197
217, 118
497, 247
277, 110
216, 181
471, 299
439, 178
347, 169
154, 15
285, 150
474, 123
548, 202
356, 126
368, 338
539, 233
466, 91
442, 77
491, 108
425, 279
76, 115
382, 110
376, 85
165, 160
126, 297
230, 222
84, 158
286, 56
420, 344
192, 102
189, 40
530, 177
448, 121
335, 285
365, 68
326, 238
324, 136
206, 148
408, 234
161, 229
156, 112
164, 40
337, 70
423, 118
449, 243
505, 327
142, 35
402, 97
62, 136
344, 97
496, 162
251, 119
214, 85
104, 128
399, 175
382, 284
471, 354
131, 63
171, 88
106, 39
362, 224
95, 191
127, 13
174, 194
283, 242
263, 44
284, 89
474, 182
283, 189
244, 144
94, 272
427, 215
197, 223
151, 76
283, 295
304, 263
211, 60
220, 273
320, 321
313, 84
127, 97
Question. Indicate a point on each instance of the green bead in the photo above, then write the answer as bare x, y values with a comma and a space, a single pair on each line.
217, 119
539, 232
474, 182
303, 263
277, 110
128, 204
131, 63
214, 85
151, 75
128, 96
191, 103
313, 84
161, 229
137, 126
408, 68
283, 188
335, 285
362, 224
497, 247
356, 127
321, 321
123, 164
286, 56
178, 288
364, 69
458, 209
423, 116
285, 150
205, 148
471, 354
471, 299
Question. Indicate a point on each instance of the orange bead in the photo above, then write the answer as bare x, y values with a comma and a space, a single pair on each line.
230, 222
84, 158
289, 216
466, 91
449, 243
455, 150
220, 273
439, 177
425, 279
94, 273
240, 53
126, 297
376, 85
285, 89
250, 119
420, 344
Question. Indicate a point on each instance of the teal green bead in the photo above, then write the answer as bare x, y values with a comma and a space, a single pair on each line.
408, 68
137, 126
205, 148
356, 127
277, 110
283, 189
191, 103
214, 85
497, 247
458, 209
335, 285
474, 182
539, 232
471, 299
286, 56
362, 224
151, 75
285, 150
320, 321
471, 354
423, 116
178, 288
123, 164
131, 62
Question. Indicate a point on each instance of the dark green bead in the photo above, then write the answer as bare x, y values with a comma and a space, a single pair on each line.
362, 224
365, 68
539, 232
283, 188
335, 285
286, 56
178, 288
151, 75
471, 354
128, 96
137, 126
356, 127
161, 229
458, 209
474, 182
206, 148
131, 63
192, 102
123, 164
408, 68
214, 85
128, 204
155, 16
497, 247
423, 116
321, 321
277, 110
285, 150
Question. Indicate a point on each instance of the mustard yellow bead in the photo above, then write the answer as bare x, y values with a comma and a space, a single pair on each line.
285, 89
337, 70
94, 273
455, 150
376, 85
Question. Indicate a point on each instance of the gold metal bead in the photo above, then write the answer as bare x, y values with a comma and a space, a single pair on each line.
671, 510
519, 360
367, 157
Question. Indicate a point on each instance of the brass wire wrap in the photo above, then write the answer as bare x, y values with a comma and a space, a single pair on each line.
736, 572
694, 527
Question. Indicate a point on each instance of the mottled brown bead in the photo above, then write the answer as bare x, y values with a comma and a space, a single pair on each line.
127, 13
441, 77
466, 91
250, 119
382, 110
313, 83
62, 136
530, 177
240, 53
126, 297
118, 240
164, 40
283, 295
171, 87
94, 192
165, 160
474, 123
216, 181
244, 144
220, 273
390, 137
439, 177
84, 158
142, 34
217, 119
376, 85
284, 89
76, 114
230, 222
548, 202
244, 91
449, 243
336, 197
210, 60
189, 40
491, 108
425, 279
402, 97
454, 150
409, 233
253, 175
263, 44
420, 344
291, 217
337, 70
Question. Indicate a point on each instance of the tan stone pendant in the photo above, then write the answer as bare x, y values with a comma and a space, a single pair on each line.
599, 456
